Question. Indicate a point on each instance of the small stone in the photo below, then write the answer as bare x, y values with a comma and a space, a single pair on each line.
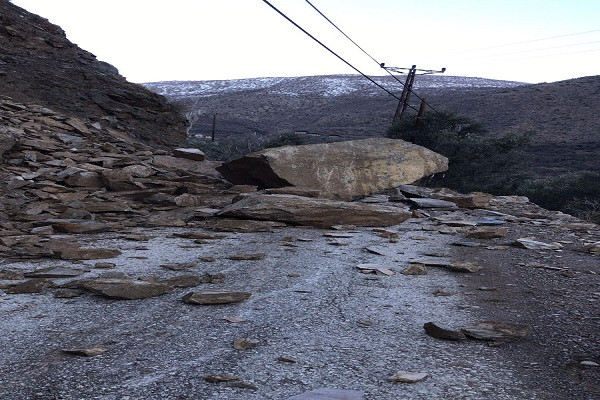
54, 272
464, 266
104, 265
593, 248
436, 331
75, 253
124, 289
376, 250
497, 331
30, 286
338, 235
207, 259
78, 226
221, 378
528, 243
588, 363
234, 320
215, 297
247, 257
189, 153
244, 344
285, 359
199, 235
442, 292
415, 269
407, 377
91, 352
179, 266
375, 268
466, 244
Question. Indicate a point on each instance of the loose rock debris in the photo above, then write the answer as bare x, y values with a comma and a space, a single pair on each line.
60, 199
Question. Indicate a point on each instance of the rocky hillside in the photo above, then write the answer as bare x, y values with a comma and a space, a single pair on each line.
346, 106
562, 114
38, 64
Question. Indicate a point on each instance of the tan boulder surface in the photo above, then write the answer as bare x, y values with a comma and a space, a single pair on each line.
341, 170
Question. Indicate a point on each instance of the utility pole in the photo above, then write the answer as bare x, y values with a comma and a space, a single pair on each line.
421, 113
407, 90
214, 127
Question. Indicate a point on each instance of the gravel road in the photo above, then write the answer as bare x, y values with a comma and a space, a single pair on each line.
335, 326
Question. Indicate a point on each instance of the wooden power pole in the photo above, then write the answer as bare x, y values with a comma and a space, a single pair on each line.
407, 90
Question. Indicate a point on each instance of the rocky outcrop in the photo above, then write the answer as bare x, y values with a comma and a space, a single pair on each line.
339, 170
63, 175
314, 212
38, 64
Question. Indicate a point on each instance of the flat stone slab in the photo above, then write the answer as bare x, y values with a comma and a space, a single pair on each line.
434, 330
532, 244
77, 226
54, 272
431, 203
189, 153
497, 331
124, 289
215, 297
329, 394
314, 212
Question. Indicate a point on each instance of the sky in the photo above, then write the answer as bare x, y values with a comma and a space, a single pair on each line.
156, 40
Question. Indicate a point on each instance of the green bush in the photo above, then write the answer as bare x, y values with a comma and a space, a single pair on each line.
576, 193
287, 139
478, 160
232, 147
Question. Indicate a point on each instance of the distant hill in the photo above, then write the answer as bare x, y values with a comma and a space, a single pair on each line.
563, 115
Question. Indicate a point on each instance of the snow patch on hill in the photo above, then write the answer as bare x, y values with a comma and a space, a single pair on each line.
330, 85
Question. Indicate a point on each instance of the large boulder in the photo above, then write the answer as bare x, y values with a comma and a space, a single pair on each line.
339, 170
314, 212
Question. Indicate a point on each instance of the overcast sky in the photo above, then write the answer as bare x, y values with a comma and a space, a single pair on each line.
158, 40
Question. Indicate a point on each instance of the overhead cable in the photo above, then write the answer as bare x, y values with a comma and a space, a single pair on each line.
371, 57
533, 40
328, 49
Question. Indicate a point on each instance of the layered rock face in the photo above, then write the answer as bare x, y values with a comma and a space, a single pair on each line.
314, 212
39, 65
340, 170
60, 174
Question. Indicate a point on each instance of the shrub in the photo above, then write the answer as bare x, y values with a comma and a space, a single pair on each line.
232, 147
577, 193
287, 139
478, 160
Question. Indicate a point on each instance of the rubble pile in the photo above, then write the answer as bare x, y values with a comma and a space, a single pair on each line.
64, 175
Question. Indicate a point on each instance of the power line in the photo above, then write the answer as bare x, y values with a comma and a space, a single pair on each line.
544, 48
533, 40
555, 55
342, 32
328, 49
372, 58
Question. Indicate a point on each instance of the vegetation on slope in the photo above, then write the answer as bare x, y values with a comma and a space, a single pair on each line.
495, 163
